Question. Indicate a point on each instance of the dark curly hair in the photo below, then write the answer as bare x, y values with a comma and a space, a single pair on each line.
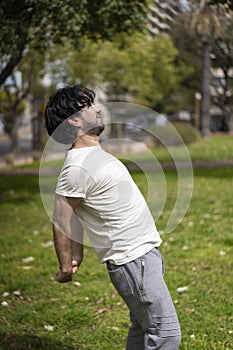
64, 103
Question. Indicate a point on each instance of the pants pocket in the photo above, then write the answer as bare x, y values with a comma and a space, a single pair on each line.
121, 283
141, 282
157, 252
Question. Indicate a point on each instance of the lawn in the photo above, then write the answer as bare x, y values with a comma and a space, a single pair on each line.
38, 313
218, 147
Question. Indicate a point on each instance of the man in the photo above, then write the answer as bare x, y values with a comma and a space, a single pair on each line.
96, 193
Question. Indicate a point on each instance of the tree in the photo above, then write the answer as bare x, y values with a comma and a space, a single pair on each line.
223, 59
15, 90
144, 69
11, 106
27, 24
228, 3
189, 54
205, 25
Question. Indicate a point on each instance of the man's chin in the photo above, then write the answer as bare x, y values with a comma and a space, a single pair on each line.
97, 130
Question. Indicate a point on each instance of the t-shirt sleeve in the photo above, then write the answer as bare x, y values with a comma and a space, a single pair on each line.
74, 182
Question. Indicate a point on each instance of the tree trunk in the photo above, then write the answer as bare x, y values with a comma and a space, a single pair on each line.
14, 135
205, 108
230, 120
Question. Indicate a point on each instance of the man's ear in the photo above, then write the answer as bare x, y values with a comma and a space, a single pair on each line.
74, 121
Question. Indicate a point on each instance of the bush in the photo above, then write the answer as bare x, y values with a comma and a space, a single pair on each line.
167, 135
188, 133
10, 158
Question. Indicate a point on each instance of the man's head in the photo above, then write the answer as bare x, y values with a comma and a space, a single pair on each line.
70, 110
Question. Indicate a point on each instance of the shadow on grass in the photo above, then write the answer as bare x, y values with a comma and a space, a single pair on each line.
20, 183
18, 188
11, 341
226, 172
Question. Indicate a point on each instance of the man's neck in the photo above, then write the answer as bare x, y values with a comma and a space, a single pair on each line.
86, 141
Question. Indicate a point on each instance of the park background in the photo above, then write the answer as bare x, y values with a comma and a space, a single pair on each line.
172, 57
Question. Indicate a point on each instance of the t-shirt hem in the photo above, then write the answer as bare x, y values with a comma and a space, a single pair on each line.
133, 257
73, 195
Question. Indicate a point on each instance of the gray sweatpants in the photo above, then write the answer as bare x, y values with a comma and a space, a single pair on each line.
140, 283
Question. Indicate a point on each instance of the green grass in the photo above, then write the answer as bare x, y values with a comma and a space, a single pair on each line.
198, 255
217, 148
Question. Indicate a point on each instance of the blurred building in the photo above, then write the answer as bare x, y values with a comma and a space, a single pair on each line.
162, 13
220, 90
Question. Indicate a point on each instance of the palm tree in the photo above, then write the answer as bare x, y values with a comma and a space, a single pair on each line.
205, 25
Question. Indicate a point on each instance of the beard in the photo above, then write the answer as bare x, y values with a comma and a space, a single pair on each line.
96, 130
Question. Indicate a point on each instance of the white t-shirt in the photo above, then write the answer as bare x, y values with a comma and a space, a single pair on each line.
113, 211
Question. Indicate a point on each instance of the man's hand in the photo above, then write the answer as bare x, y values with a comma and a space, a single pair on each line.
62, 277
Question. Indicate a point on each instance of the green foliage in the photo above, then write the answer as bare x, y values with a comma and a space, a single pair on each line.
6, 102
186, 134
11, 108
24, 80
189, 50
189, 54
40, 24
145, 68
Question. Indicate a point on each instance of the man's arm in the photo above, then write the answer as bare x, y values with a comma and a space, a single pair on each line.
68, 234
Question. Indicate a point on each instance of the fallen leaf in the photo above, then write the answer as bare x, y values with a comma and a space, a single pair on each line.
4, 303
96, 302
29, 267
100, 311
78, 284
28, 259
113, 328
6, 321
190, 310
100, 301
17, 293
47, 244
